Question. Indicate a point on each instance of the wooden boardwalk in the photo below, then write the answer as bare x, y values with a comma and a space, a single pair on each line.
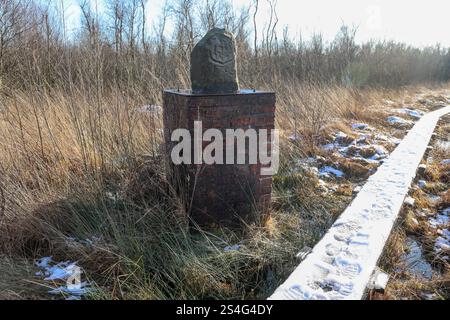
341, 264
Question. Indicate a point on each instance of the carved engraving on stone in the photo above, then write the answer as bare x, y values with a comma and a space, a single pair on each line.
222, 52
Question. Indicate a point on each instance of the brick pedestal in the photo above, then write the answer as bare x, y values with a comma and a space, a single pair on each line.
220, 194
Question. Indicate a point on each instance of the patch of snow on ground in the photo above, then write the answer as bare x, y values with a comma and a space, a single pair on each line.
422, 184
79, 290
327, 170
323, 186
385, 138
363, 142
409, 201
152, 109
339, 142
433, 198
340, 135
329, 146
89, 242
381, 281
445, 233
43, 263
341, 264
398, 120
62, 272
363, 139
306, 164
380, 152
411, 112
442, 244
360, 126
236, 247
439, 221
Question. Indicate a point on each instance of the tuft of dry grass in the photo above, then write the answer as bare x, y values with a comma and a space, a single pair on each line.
17, 281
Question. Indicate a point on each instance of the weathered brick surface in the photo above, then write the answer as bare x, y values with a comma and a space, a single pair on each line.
222, 194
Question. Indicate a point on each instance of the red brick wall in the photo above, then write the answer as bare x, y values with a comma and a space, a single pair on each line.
220, 194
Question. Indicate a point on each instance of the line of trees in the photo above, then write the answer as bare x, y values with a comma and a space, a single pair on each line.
117, 48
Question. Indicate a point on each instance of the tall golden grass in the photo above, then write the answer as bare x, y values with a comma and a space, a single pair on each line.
81, 166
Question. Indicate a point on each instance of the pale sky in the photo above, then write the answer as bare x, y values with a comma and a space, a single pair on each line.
415, 22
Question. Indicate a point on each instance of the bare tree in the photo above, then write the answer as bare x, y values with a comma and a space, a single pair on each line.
271, 27
143, 25
90, 22
255, 29
13, 25
116, 14
182, 11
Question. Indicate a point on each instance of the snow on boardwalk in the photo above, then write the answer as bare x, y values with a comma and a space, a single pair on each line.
341, 264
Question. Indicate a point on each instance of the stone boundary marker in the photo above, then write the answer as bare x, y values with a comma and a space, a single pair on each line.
341, 265
229, 194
